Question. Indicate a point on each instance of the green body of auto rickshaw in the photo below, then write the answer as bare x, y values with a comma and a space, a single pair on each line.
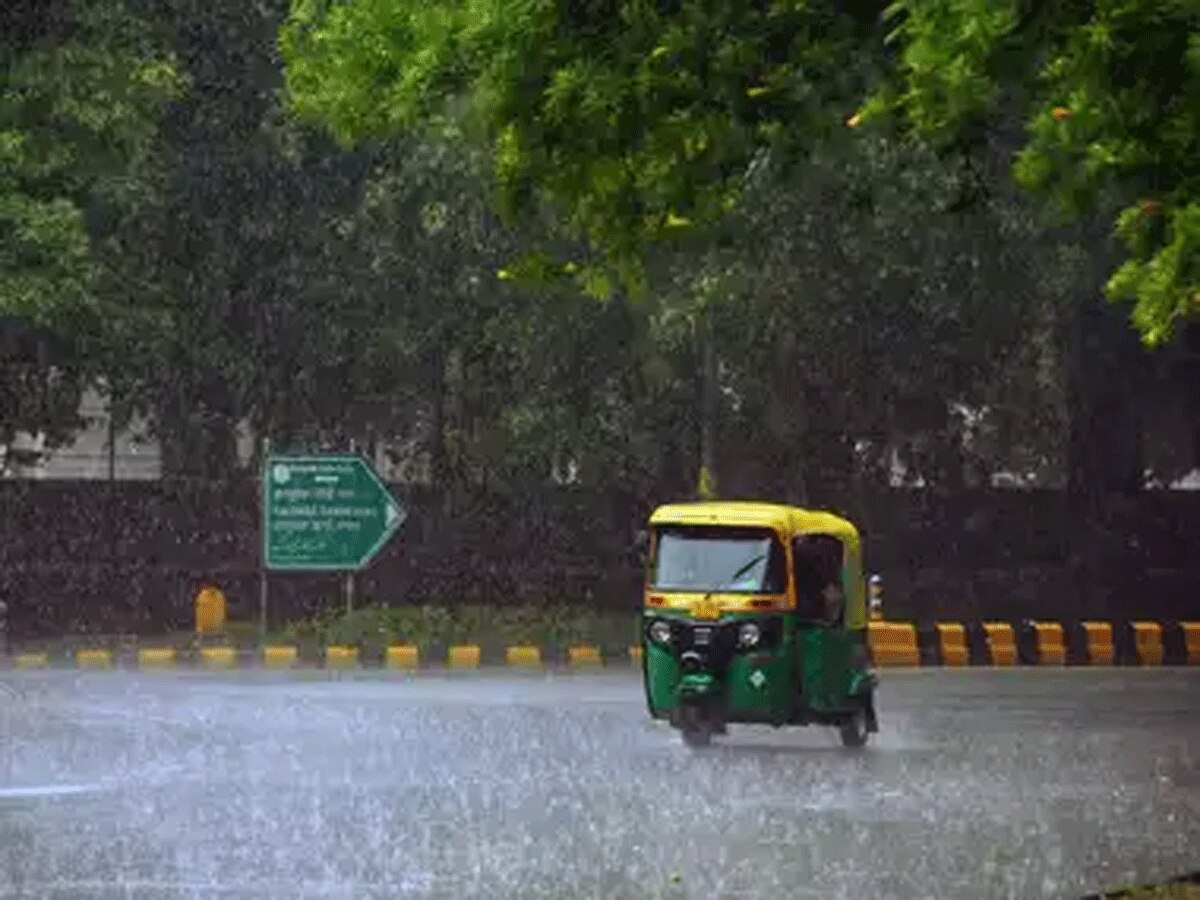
756, 613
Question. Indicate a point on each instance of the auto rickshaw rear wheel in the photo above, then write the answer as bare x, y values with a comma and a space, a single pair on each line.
697, 731
854, 729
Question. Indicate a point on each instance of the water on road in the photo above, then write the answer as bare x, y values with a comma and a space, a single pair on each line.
981, 784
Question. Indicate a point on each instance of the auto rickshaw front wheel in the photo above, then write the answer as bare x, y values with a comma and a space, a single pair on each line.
696, 737
695, 727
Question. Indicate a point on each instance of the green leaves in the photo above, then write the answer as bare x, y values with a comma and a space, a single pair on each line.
625, 121
1163, 277
46, 264
78, 127
1112, 98
947, 50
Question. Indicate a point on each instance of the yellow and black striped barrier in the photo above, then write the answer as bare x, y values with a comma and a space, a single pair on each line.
952, 644
891, 644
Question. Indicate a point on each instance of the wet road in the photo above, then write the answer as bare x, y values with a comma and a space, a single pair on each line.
1017, 784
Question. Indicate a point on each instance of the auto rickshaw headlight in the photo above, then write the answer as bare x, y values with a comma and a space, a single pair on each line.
749, 635
660, 631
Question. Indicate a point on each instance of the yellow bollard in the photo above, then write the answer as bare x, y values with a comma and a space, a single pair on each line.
211, 606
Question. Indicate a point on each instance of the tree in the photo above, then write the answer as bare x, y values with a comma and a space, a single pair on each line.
632, 122
84, 87
498, 382
42, 378
864, 324
1111, 96
235, 279
642, 126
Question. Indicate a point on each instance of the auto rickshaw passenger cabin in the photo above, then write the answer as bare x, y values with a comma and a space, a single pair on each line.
792, 525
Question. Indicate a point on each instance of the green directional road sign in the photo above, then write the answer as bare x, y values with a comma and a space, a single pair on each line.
325, 513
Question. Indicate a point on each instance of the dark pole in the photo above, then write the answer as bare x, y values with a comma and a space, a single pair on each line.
262, 562
350, 574
112, 439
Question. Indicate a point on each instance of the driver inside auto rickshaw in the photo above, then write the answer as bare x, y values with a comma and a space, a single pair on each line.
819, 578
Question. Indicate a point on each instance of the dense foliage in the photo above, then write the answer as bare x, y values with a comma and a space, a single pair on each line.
634, 122
85, 86
1111, 94
292, 219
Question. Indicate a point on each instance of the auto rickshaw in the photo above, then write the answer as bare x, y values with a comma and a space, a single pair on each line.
756, 613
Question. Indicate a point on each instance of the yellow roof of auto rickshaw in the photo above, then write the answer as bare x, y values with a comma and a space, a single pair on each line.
783, 519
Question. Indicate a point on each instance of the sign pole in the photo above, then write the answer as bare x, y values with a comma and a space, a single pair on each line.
262, 601
350, 574
262, 560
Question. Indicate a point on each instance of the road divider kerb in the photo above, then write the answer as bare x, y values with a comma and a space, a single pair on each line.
524, 656
581, 656
1051, 640
1099, 639
279, 656
891, 645
952, 644
156, 658
464, 656
1148, 643
1002, 643
218, 657
1191, 641
403, 656
338, 656
94, 659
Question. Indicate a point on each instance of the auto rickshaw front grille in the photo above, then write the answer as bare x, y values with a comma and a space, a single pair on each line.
718, 641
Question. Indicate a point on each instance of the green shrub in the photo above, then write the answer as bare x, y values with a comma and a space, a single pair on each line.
545, 626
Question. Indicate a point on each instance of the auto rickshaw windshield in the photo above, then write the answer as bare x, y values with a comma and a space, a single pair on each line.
718, 558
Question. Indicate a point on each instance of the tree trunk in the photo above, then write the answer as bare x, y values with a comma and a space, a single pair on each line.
1191, 379
709, 391
1106, 369
438, 469
828, 459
